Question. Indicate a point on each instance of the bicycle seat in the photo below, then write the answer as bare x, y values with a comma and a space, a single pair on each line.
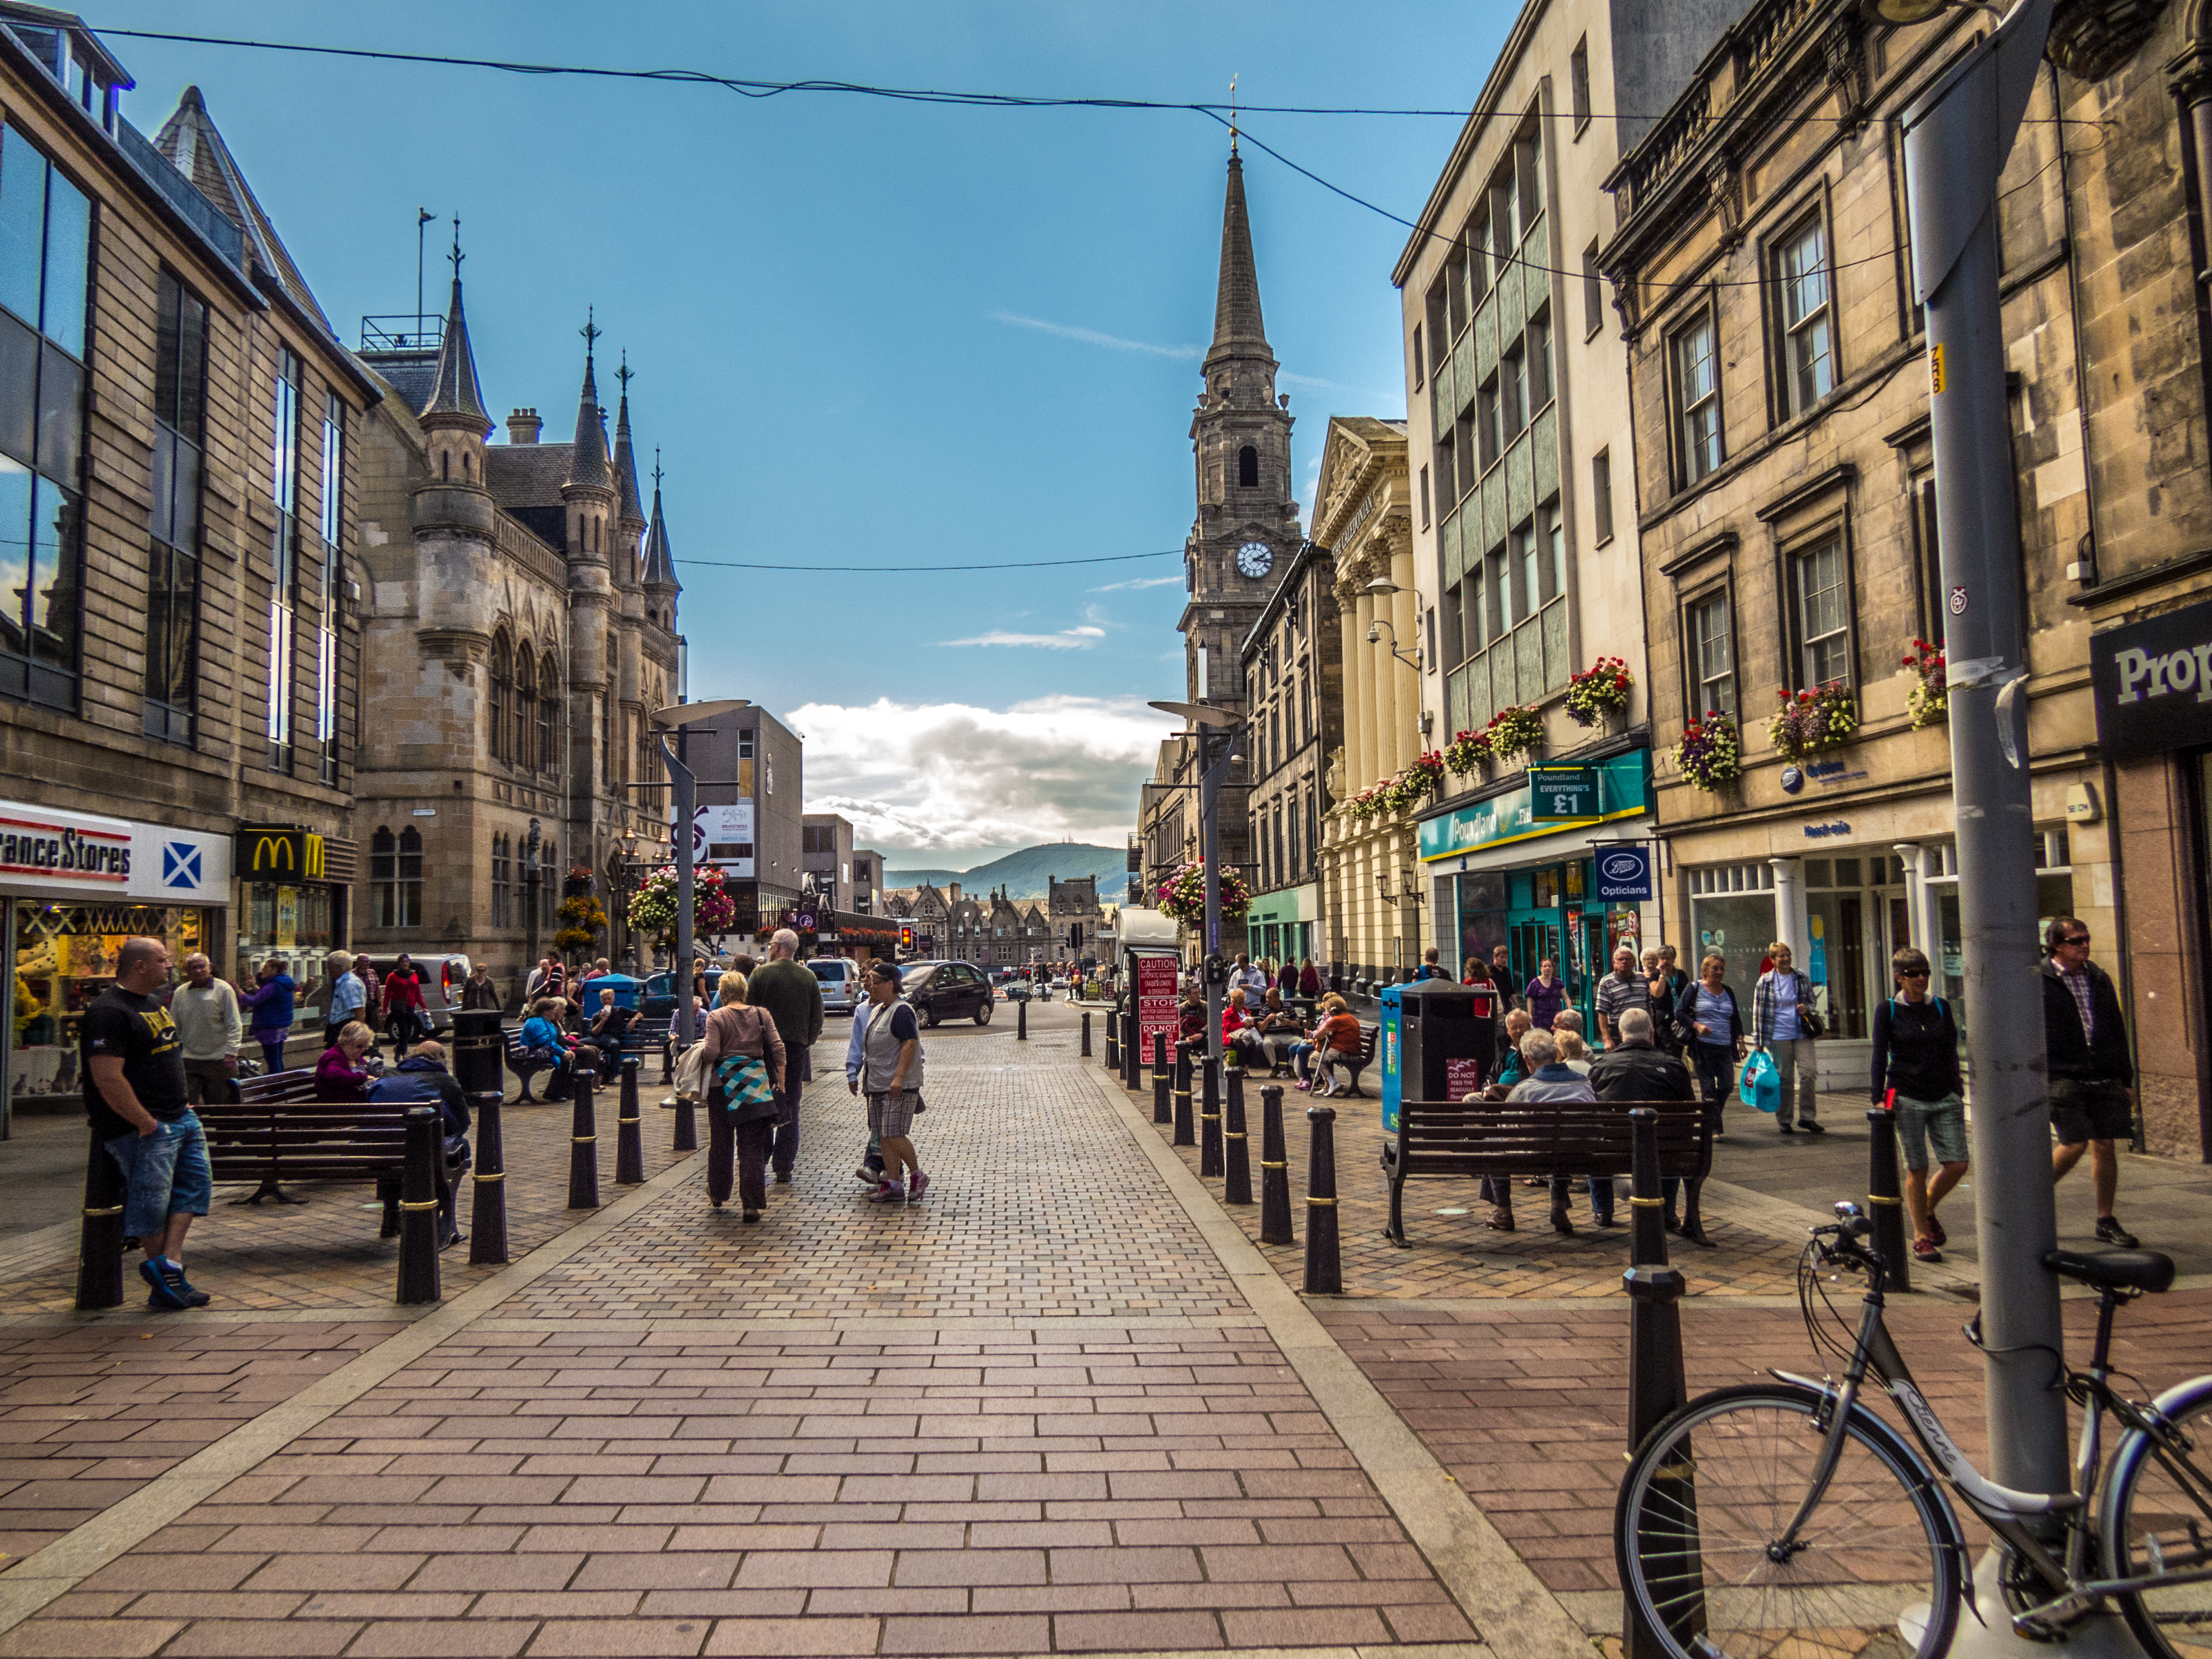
2114, 1270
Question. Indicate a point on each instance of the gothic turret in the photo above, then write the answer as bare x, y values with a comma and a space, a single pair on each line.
454, 421
660, 564
631, 511
589, 489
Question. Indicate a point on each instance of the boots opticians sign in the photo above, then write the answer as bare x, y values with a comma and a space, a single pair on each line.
2154, 683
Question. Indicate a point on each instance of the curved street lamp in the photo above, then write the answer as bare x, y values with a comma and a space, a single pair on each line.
675, 718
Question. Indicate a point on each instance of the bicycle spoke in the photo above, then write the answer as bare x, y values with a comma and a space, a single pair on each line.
2161, 1521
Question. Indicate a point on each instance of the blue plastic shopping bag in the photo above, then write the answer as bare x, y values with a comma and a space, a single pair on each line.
1761, 1082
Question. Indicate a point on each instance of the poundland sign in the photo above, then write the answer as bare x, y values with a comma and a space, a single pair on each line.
2154, 683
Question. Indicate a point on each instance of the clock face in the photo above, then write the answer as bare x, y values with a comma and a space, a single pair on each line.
1255, 559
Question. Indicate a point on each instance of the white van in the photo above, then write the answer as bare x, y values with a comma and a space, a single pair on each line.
840, 983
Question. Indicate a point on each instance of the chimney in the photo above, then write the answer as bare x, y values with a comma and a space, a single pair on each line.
523, 425
953, 888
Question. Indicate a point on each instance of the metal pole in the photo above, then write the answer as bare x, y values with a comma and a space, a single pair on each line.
1210, 780
680, 777
1957, 138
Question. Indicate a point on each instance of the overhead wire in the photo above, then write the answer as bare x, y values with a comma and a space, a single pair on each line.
934, 569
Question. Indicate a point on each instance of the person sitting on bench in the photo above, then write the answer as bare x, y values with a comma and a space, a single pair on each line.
543, 1040
1547, 1079
1279, 1031
609, 1026
1336, 1041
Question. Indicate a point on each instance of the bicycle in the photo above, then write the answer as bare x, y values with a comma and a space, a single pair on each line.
1789, 1510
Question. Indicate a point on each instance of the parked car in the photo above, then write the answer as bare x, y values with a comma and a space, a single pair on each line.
939, 991
441, 975
840, 983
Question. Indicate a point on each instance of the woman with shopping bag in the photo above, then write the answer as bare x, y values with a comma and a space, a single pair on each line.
1784, 1023
745, 1060
1713, 1032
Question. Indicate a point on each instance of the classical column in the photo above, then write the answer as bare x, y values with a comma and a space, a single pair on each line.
1916, 896
1790, 910
1405, 619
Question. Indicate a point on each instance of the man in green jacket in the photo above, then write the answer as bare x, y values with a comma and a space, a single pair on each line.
792, 996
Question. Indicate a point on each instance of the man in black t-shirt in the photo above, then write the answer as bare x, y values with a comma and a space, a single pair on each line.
134, 1093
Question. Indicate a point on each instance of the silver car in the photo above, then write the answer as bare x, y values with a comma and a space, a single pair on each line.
840, 983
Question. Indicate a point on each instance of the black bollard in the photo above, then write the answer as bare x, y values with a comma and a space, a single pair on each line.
1274, 1169
99, 1239
1209, 1117
1161, 1114
1236, 1155
721, 1156
418, 1207
1022, 1020
629, 1135
1084, 1053
1324, 1266
1656, 1381
1185, 1130
583, 1141
488, 1210
1114, 1041
1885, 1203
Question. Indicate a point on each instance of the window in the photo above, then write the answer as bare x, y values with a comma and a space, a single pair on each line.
1490, 440
1593, 293
283, 553
173, 539
1821, 614
502, 881
519, 751
817, 838
395, 878
1578, 88
1291, 822
1697, 400
1513, 391
1929, 549
1424, 498
1539, 364
1247, 468
45, 247
1707, 625
1417, 366
502, 695
549, 715
1478, 260
333, 538
1809, 361
1602, 494
1521, 569
1555, 535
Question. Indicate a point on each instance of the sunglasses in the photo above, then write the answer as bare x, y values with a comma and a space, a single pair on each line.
1912, 973
2075, 938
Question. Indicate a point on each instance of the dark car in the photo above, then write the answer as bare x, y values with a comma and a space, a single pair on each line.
939, 991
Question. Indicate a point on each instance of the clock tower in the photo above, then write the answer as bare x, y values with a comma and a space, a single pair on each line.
1246, 530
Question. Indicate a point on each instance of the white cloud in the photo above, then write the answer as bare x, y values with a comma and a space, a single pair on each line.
1139, 581
1092, 337
1069, 639
952, 776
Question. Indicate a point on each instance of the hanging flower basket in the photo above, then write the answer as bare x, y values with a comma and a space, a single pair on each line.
1182, 898
1810, 721
653, 907
1929, 701
1365, 804
1709, 753
1468, 750
1598, 690
1416, 784
1514, 732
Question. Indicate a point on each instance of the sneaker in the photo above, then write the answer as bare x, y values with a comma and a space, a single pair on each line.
868, 1176
1927, 1249
1812, 1128
890, 1193
2109, 1231
168, 1286
916, 1187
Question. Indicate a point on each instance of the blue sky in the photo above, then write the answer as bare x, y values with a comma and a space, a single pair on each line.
874, 332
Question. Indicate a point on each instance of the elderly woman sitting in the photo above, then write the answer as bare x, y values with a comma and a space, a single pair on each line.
339, 1075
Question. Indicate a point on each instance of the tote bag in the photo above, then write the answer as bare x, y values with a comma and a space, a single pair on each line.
1761, 1082
741, 1086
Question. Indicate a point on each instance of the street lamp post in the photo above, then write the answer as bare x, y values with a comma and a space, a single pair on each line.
675, 717
1209, 723
530, 877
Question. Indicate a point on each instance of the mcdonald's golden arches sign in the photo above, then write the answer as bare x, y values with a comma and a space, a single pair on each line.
278, 852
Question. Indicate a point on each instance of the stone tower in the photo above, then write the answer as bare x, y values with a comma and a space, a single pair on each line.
593, 504
453, 521
1247, 528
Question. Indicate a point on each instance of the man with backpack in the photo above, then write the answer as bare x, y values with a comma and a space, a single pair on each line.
1915, 1072
422, 1079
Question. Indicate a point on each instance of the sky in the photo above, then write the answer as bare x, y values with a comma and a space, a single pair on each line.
874, 331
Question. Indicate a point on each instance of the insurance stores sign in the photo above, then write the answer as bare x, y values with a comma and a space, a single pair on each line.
2154, 683
44, 853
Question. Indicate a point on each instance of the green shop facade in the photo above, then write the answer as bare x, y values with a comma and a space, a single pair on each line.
1503, 870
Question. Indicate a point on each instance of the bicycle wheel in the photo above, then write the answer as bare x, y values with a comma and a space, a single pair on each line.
1706, 1501
2157, 1516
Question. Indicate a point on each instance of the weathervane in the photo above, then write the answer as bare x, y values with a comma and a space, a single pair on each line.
1232, 115
457, 256
656, 469
625, 372
591, 329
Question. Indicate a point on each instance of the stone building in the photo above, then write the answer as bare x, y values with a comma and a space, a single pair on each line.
520, 624
1293, 683
825, 856
1526, 565
1785, 488
1363, 530
1072, 913
180, 643
752, 784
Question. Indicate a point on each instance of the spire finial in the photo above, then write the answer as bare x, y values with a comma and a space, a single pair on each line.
656, 469
457, 256
591, 330
1232, 115
625, 372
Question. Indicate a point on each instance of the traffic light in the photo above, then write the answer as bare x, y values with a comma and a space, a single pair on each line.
906, 936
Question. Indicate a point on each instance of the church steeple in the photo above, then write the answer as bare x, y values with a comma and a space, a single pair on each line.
1237, 328
454, 421
633, 512
588, 468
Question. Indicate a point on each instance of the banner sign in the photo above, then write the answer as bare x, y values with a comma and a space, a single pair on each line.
1624, 874
1562, 791
2153, 682
72, 853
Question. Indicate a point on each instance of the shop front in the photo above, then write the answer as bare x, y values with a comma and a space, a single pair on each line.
293, 885
1556, 867
1281, 926
75, 887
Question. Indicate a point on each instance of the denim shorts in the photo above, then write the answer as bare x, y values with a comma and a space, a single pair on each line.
165, 1173
1936, 1125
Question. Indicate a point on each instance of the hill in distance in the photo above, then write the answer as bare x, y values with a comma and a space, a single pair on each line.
1023, 874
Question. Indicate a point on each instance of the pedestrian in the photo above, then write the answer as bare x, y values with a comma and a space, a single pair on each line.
1635, 1070
421, 1078
869, 1171
1784, 1023
1915, 1074
891, 1077
1713, 1033
1544, 995
205, 1010
1191, 1016
339, 1075
737, 1031
1548, 1078
348, 997
273, 1003
2093, 1093
1308, 979
544, 1041
1429, 968
1286, 979
133, 1062
540, 977
1501, 974
403, 1004
610, 1023
477, 991
372, 993
1278, 1030
1506, 1069
792, 996
1619, 991
1240, 1036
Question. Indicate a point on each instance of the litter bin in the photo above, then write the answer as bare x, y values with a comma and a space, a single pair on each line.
1437, 1043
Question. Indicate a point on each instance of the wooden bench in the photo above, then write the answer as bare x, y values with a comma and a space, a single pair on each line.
277, 1131
524, 1063
1509, 1139
1353, 1065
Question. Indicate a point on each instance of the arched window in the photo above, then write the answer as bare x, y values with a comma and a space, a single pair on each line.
526, 694
549, 715
395, 878
1247, 467
502, 693
502, 881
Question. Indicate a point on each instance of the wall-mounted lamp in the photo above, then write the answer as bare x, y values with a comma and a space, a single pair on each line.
1409, 892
